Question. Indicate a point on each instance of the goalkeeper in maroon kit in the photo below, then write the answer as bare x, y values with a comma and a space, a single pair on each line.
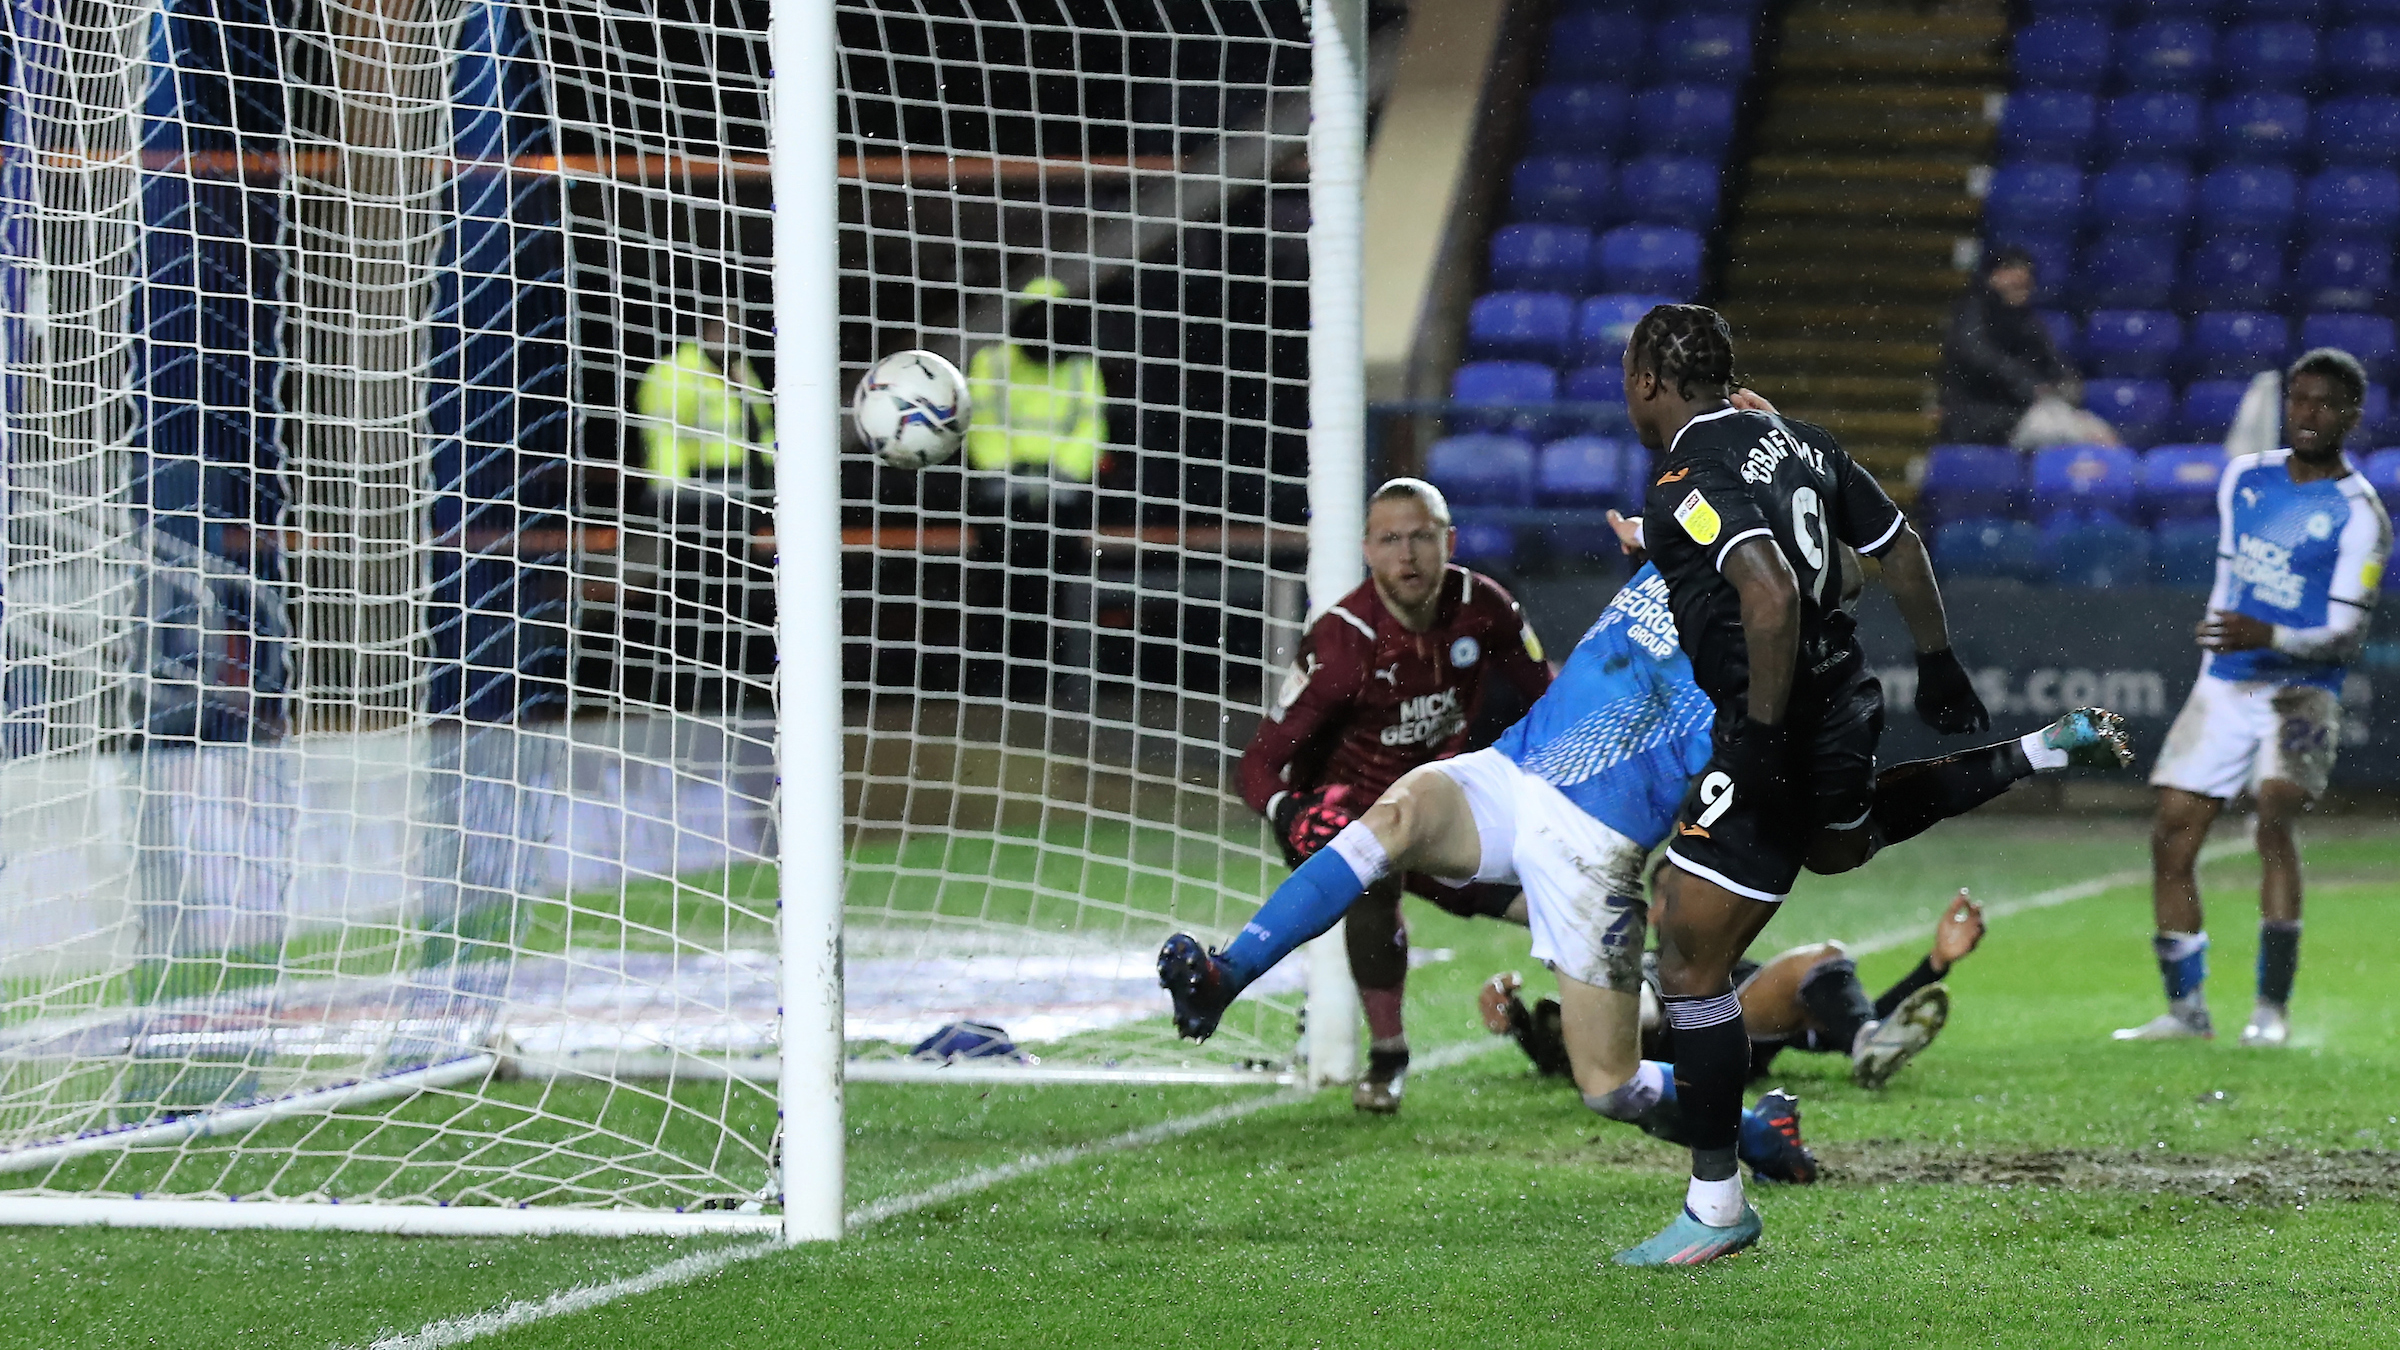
1387, 679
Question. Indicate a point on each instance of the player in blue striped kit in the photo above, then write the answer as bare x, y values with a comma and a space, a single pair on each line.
2300, 556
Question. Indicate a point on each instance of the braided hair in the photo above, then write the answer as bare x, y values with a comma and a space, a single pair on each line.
1685, 345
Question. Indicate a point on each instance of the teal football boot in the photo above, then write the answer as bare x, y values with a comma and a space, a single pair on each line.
2094, 738
1689, 1242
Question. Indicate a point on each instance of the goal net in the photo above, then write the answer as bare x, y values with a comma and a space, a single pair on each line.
390, 731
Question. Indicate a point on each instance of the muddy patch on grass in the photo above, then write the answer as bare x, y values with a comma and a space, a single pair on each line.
2284, 1177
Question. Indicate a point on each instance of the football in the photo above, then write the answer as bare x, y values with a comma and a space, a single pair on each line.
911, 409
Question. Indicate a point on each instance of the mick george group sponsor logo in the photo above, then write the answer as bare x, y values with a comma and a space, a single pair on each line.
2046, 690
1427, 717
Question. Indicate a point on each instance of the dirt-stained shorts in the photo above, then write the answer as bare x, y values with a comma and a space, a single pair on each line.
2234, 735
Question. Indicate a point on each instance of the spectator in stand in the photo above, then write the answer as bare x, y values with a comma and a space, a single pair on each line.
1997, 359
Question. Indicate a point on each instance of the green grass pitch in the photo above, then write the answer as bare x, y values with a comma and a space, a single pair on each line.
2025, 1183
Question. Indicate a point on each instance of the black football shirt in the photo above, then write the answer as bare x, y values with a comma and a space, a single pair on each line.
1733, 476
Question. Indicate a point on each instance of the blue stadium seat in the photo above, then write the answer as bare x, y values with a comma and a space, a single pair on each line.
2127, 271
2177, 53
1650, 260
2065, 333
2342, 274
1590, 44
1521, 326
2382, 471
1683, 119
2225, 344
1970, 480
2130, 343
2364, 58
1581, 471
2142, 411
2258, 127
1989, 547
2208, 408
2306, 10
2150, 126
2369, 337
1482, 469
1603, 325
2368, 9
2099, 552
2375, 416
2360, 130
2141, 197
2184, 552
2053, 263
1600, 393
1542, 258
1514, 393
1487, 545
2062, 52
1702, 48
2234, 271
2249, 197
2053, 124
2351, 200
1669, 190
2268, 54
2083, 479
2179, 482
1562, 190
1576, 119
2034, 199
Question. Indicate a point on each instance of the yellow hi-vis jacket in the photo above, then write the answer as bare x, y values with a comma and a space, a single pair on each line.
1034, 415
698, 421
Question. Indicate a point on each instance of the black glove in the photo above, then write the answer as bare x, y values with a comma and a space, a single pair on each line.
1946, 697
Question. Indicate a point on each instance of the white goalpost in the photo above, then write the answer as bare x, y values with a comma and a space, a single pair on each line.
481, 749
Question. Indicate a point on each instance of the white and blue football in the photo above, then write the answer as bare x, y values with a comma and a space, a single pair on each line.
911, 409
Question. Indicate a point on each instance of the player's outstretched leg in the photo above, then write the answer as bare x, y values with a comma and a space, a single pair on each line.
1912, 798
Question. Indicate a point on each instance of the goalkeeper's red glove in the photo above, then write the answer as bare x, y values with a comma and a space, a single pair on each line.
1307, 821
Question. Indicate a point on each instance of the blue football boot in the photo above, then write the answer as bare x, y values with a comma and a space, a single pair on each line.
2094, 738
1689, 1242
1196, 984
1770, 1141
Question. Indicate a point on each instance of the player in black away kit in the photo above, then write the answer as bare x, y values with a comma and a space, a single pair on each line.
1746, 518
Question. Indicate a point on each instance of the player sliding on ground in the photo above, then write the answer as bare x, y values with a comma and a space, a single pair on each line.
1809, 998
1387, 679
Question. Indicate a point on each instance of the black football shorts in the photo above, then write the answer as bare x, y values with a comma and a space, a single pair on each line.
1755, 848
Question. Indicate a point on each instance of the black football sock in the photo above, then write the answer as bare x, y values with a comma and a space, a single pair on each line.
1910, 983
1837, 1002
1712, 1063
1912, 798
2278, 960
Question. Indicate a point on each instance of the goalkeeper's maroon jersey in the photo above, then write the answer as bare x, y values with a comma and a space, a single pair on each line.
1368, 700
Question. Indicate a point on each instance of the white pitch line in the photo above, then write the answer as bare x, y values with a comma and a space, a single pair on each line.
684, 1269
2052, 898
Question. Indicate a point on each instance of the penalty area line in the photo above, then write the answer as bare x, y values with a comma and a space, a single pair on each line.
699, 1265
2052, 898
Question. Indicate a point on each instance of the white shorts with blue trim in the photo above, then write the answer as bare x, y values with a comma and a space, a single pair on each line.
2233, 735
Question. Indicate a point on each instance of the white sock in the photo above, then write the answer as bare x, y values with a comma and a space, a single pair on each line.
1359, 847
2039, 755
1715, 1203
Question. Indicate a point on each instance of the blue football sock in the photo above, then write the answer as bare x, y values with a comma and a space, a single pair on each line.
2182, 963
1309, 903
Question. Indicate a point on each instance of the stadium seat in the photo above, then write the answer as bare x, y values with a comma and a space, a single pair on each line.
1682, 119
2352, 200
2177, 53
2083, 478
2375, 416
2034, 199
1581, 471
1484, 544
2369, 337
2261, 197
2127, 271
1508, 394
2150, 126
2142, 411
2361, 130
2342, 274
1650, 260
1990, 547
1521, 326
2065, 333
2368, 9
2099, 552
2051, 124
1482, 469
1669, 190
2234, 271
1702, 48
2258, 127
2206, 412
2237, 343
1599, 393
2271, 54
2053, 263
1603, 325
1542, 258
1576, 119
2364, 58
2141, 197
2130, 342
2184, 552
2179, 482
2262, 9
2062, 52
2382, 471
1562, 190
1970, 480
1591, 44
